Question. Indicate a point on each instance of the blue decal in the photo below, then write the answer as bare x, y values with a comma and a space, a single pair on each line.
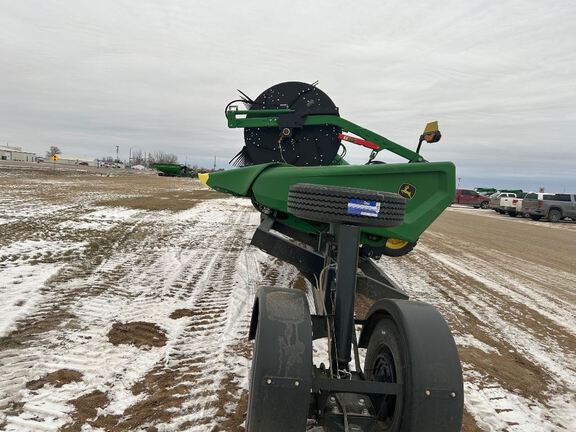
358, 207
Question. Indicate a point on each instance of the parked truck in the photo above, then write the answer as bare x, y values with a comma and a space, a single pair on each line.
501, 200
554, 207
515, 207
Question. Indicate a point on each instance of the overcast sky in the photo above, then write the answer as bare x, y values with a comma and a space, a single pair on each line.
499, 76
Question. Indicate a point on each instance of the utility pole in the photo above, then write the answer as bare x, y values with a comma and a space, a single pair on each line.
117, 160
214, 169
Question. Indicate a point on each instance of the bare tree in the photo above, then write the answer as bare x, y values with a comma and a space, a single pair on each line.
53, 151
138, 158
162, 157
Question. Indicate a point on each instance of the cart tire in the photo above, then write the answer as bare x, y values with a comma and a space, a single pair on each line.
554, 215
333, 204
409, 343
281, 372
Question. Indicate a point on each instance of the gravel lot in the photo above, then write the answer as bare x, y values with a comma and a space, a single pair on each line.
125, 302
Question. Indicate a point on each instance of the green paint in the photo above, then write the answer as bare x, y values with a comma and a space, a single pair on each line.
269, 185
267, 118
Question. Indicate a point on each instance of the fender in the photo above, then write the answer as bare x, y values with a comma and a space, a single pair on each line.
435, 381
281, 375
291, 301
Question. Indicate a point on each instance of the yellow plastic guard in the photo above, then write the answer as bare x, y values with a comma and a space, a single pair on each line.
203, 177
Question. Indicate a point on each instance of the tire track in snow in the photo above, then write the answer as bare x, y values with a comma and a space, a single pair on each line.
192, 264
209, 356
516, 340
549, 290
54, 324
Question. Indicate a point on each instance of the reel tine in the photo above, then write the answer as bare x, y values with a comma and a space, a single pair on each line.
245, 96
241, 159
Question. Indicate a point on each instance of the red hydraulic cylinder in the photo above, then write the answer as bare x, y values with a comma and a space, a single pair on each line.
359, 141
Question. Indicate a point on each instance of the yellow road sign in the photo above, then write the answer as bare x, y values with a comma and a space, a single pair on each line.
54, 157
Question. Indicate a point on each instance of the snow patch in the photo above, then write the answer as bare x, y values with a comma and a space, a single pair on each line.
470, 341
116, 214
496, 409
30, 249
20, 291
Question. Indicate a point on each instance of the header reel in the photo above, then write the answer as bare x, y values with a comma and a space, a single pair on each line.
290, 142
298, 124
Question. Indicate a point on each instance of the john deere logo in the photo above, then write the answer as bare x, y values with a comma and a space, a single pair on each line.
407, 190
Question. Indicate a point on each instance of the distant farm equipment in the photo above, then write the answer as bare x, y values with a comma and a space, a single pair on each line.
172, 170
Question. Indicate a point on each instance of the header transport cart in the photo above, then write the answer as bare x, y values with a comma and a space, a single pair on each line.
331, 220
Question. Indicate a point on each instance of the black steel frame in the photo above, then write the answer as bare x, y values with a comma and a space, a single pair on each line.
336, 252
338, 394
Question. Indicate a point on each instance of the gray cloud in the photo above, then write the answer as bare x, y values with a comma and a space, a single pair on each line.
499, 76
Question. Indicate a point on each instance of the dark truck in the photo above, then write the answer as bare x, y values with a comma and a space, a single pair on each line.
555, 207
471, 198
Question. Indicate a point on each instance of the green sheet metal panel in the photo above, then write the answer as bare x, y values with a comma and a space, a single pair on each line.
433, 186
236, 181
433, 183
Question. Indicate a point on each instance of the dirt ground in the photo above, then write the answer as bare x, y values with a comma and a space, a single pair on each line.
125, 303
508, 289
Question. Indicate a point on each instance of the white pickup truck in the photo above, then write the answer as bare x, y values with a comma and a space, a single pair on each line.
514, 207
517, 206
500, 201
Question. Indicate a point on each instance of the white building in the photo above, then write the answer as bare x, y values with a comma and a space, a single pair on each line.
13, 153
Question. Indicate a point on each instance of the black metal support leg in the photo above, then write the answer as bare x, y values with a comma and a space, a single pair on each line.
347, 237
308, 262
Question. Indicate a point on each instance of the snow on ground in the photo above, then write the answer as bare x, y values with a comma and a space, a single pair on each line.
20, 291
516, 320
193, 260
115, 318
13, 211
27, 250
23, 273
104, 219
496, 409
